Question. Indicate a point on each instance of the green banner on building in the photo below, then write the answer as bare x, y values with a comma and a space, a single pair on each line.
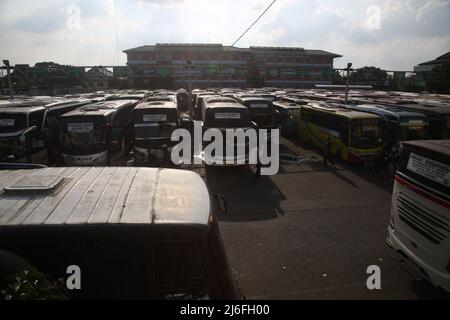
120, 72
274, 73
164, 72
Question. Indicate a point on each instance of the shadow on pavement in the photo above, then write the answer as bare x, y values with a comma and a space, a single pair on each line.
427, 291
378, 179
249, 198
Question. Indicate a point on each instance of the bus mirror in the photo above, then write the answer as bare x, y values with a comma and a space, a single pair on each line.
22, 140
186, 122
222, 202
254, 125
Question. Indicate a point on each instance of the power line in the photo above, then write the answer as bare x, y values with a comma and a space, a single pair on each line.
262, 14
117, 32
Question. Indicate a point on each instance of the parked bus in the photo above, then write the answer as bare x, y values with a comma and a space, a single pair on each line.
439, 118
262, 112
135, 233
97, 134
419, 227
153, 124
29, 130
355, 136
399, 125
225, 113
289, 117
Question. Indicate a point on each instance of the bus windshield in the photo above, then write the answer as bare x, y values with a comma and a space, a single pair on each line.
414, 129
366, 134
83, 136
12, 122
11, 146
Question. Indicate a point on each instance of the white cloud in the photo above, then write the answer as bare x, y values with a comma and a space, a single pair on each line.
411, 31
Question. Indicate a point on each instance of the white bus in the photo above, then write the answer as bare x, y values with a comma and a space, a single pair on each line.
419, 227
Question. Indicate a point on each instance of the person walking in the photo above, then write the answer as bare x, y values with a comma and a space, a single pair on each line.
327, 152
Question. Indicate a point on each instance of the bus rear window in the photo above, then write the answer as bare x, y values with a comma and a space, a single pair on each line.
430, 169
426, 169
414, 129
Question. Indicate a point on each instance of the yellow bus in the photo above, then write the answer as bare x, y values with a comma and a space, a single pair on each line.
354, 136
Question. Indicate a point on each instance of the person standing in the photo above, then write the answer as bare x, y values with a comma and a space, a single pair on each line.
327, 152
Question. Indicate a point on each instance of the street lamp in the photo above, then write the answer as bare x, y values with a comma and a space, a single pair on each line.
11, 92
349, 65
189, 62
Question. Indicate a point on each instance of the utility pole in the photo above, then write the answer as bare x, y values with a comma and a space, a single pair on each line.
8, 73
349, 65
189, 62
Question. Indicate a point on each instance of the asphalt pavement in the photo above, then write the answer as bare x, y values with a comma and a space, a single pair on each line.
311, 231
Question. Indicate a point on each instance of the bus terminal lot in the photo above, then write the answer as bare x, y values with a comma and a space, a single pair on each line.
311, 231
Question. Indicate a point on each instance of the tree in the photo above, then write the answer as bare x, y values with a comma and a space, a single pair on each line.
369, 76
439, 80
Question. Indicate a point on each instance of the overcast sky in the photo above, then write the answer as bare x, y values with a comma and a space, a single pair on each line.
391, 34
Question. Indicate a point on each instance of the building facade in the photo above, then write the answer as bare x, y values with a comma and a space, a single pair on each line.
424, 70
215, 65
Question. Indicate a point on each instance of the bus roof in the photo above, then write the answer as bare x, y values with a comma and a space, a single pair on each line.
228, 105
286, 105
103, 108
102, 196
254, 99
390, 113
21, 109
219, 99
440, 146
156, 104
347, 113
428, 110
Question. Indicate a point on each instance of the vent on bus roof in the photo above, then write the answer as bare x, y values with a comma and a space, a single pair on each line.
34, 184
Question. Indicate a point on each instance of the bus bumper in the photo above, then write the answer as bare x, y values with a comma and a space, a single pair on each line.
407, 259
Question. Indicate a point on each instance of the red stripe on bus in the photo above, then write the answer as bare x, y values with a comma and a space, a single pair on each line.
423, 193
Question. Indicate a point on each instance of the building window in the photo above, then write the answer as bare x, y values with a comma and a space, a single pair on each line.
163, 56
290, 59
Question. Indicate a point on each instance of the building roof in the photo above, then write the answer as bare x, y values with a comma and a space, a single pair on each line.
99, 71
216, 46
439, 60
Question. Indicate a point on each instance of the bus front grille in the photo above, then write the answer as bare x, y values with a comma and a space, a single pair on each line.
427, 223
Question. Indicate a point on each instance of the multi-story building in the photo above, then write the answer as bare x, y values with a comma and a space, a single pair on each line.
215, 65
424, 70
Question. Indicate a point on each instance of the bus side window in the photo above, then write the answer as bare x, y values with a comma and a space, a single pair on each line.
37, 136
343, 131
